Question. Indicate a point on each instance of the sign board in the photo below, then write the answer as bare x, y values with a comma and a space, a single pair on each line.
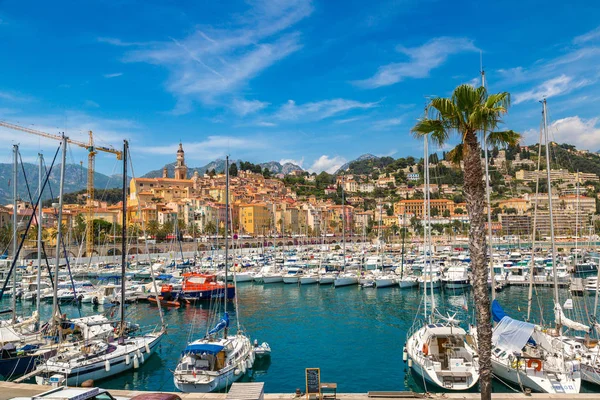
313, 382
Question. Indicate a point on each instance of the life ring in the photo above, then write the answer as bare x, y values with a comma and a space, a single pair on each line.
425, 349
538, 366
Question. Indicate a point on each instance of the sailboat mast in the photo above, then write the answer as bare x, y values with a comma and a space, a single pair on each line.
425, 164
14, 241
576, 217
429, 247
489, 204
226, 230
403, 236
61, 188
343, 224
554, 260
535, 208
124, 236
39, 237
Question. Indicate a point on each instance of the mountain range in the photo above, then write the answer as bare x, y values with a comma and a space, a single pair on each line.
219, 166
75, 180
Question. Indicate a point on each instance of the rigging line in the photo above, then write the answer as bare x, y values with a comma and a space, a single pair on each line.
16, 255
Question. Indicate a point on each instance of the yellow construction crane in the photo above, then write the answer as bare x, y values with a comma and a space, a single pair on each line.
92, 151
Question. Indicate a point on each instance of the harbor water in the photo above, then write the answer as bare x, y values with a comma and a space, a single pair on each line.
355, 336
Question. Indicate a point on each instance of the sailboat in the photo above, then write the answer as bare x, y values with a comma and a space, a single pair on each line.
439, 351
523, 353
345, 278
213, 363
98, 358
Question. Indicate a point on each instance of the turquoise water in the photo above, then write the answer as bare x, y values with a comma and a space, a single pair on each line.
354, 335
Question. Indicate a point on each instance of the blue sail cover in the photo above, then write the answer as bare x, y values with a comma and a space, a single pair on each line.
497, 311
200, 348
224, 323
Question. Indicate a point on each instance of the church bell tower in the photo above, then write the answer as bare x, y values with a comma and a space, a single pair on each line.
180, 167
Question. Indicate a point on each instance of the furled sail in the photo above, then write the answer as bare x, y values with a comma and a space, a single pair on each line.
561, 319
224, 323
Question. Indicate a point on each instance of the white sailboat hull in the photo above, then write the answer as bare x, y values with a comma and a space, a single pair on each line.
345, 281
272, 279
309, 280
385, 282
326, 280
537, 381
407, 283
96, 371
290, 279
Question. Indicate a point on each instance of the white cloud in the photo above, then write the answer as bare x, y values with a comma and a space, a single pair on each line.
265, 124
208, 149
348, 120
387, 123
115, 75
317, 111
214, 62
118, 42
75, 124
422, 60
327, 164
14, 97
551, 88
588, 36
91, 104
583, 133
244, 107
290, 160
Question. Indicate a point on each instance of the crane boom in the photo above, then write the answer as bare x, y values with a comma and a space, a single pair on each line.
92, 151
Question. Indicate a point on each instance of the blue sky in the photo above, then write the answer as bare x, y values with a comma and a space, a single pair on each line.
317, 82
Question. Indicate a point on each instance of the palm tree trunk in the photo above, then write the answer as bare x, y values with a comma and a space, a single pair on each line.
475, 196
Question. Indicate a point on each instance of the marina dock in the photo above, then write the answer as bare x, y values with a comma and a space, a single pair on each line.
10, 390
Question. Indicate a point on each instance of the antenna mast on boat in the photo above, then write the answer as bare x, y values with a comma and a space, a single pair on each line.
226, 236
124, 237
554, 260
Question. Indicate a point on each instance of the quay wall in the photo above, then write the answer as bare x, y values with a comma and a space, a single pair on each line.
9, 390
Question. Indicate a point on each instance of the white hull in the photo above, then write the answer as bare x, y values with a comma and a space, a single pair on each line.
385, 282
309, 280
291, 279
272, 279
326, 280
537, 381
345, 281
407, 283
97, 370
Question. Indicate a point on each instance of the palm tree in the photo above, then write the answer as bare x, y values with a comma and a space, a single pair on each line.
468, 111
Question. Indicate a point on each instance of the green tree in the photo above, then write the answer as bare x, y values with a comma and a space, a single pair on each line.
152, 228
233, 170
466, 113
446, 214
210, 228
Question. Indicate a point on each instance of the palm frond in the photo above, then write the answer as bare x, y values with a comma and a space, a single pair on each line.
503, 138
455, 155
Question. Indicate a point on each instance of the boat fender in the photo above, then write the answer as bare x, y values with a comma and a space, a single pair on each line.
107, 365
147, 348
425, 349
136, 362
138, 353
252, 357
127, 359
237, 371
410, 363
404, 354
248, 364
142, 358
538, 364
243, 367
